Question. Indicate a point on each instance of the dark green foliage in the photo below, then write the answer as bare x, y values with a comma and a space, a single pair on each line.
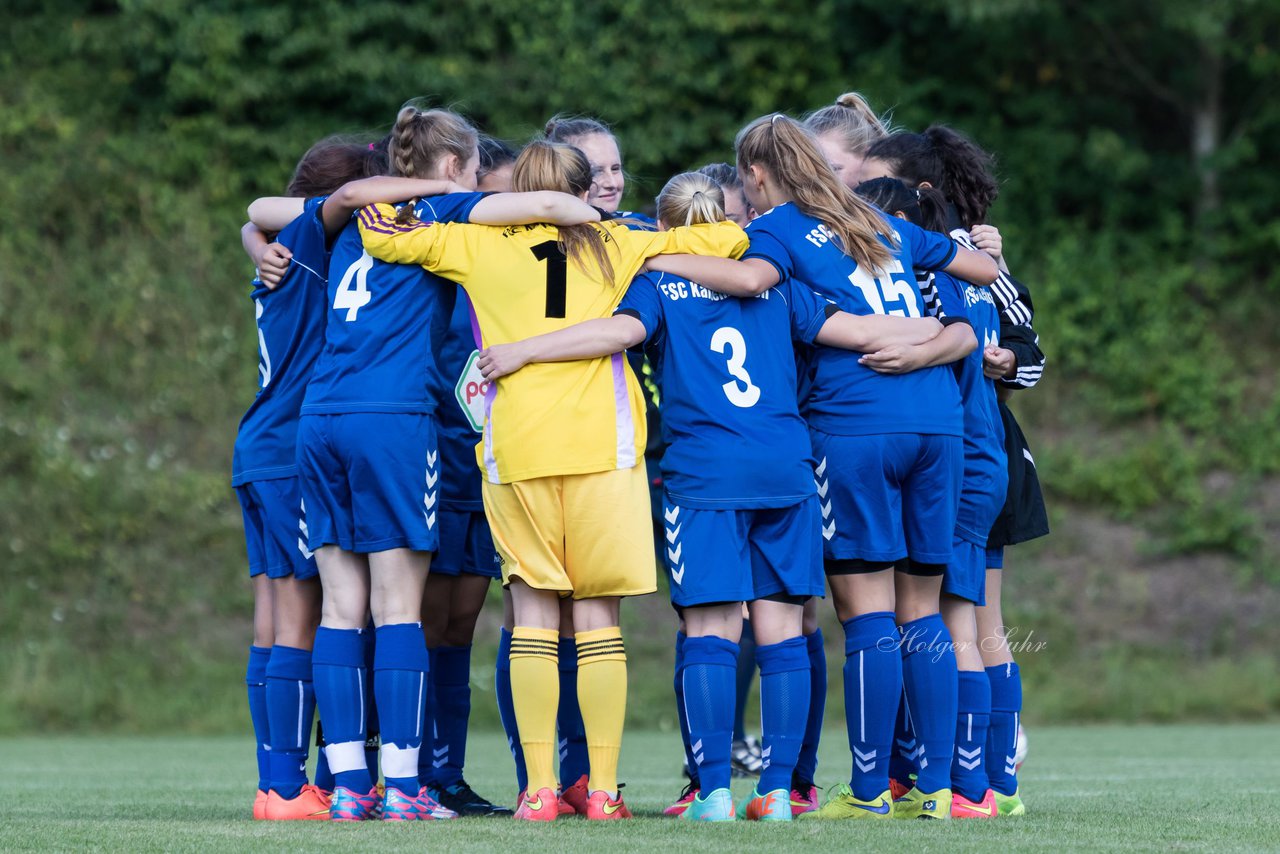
1138, 203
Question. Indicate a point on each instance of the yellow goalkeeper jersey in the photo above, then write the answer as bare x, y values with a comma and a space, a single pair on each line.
551, 418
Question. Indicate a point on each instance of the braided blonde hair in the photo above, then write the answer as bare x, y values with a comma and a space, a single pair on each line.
421, 139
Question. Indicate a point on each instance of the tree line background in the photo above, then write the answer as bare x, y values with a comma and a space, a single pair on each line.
1136, 143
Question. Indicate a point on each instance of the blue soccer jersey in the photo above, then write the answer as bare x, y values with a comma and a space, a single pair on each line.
290, 337
729, 417
384, 323
986, 475
644, 222
461, 412
845, 398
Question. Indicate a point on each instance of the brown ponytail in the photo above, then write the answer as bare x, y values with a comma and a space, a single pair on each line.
562, 168
789, 154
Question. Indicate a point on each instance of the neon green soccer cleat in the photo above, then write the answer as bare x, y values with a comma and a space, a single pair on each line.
1010, 805
928, 805
842, 804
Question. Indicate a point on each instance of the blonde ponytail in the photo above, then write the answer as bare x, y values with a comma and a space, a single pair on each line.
852, 121
690, 198
789, 154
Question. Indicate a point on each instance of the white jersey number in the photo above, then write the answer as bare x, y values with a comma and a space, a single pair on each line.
264, 364
877, 291
728, 337
354, 299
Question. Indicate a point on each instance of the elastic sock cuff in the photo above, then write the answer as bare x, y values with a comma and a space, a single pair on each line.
815, 643
605, 645
712, 650
974, 694
876, 629
255, 672
534, 643
783, 657
924, 635
289, 663
568, 654
339, 647
1006, 688
401, 647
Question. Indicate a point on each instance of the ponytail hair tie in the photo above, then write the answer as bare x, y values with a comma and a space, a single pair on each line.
774, 120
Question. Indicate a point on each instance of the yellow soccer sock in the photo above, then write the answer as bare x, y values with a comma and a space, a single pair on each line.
602, 694
535, 694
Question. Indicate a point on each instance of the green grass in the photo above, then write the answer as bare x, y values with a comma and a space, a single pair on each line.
1153, 788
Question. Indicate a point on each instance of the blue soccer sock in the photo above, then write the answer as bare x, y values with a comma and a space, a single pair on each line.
929, 678
681, 711
451, 705
872, 686
784, 709
337, 665
426, 752
323, 776
574, 762
968, 768
807, 764
372, 726
291, 706
255, 680
707, 676
906, 748
742, 687
400, 672
1002, 737
507, 710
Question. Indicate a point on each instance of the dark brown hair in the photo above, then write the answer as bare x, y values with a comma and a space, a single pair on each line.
948, 160
332, 162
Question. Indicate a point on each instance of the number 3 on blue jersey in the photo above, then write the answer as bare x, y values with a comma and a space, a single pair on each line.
728, 337
354, 299
877, 291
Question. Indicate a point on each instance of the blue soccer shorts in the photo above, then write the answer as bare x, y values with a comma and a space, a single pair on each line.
715, 556
370, 481
274, 532
966, 572
995, 558
466, 546
889, 496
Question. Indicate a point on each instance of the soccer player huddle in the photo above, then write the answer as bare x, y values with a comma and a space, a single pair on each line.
450, 332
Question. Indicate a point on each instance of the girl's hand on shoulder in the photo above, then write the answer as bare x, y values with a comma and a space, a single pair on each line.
502, 359
988, 239
894, 359
273, 264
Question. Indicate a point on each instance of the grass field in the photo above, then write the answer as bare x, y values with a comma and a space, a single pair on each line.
1152, 788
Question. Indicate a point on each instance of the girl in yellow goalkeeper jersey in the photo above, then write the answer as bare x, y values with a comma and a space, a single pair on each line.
565, 486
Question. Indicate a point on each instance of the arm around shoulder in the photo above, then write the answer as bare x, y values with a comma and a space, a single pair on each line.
527, 208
